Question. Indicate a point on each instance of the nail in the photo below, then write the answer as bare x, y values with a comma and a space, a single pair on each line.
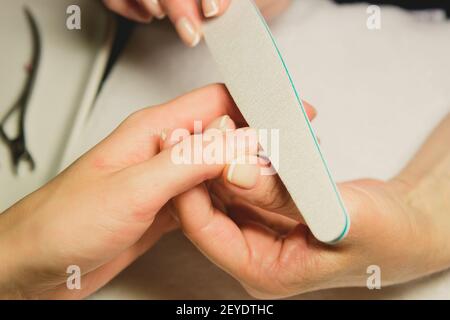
263, 159
188, 32
155, 8
164, 134
242, 174
223, 123
210, 8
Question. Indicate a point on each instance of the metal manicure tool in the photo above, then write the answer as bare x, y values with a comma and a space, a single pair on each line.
17, 145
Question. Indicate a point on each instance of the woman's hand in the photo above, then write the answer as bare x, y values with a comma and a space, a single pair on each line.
248, 225
109, 207
186, 15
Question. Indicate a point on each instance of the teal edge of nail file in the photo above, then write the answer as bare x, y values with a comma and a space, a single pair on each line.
258, 80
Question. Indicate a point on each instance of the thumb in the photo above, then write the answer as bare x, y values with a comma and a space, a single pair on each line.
244, 181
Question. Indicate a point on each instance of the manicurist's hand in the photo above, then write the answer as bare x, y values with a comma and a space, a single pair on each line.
186, 15
111, 205
248, 225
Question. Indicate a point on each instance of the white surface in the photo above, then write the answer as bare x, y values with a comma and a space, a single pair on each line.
68, 71
379, 94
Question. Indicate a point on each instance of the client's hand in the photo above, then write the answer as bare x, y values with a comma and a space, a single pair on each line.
248, 225
186, 15
109, 207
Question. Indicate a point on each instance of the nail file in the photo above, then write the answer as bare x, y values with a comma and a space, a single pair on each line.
258, 80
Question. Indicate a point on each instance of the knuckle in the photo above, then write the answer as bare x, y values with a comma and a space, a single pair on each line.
219, 91
137, 116
273, 195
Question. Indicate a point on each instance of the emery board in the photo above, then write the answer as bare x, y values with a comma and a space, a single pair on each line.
258, 80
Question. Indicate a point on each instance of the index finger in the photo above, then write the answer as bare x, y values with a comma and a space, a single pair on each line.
212, 8
130, 9
139, 134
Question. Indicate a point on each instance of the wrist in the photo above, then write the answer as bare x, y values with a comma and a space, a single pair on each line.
21, 265
427, 201
9, 266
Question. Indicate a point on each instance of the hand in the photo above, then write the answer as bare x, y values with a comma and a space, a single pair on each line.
186, 15
248, 225
109, 207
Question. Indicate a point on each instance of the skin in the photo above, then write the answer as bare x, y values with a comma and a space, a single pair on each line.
256, 234
144, 11
110, 206
119, 199
401, 224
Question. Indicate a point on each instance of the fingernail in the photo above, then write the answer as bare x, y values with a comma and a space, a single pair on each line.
188, 32
242, 174
155, 8
223, 123
164, 134
210, 8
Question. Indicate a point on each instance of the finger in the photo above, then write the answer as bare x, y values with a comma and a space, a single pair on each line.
205, 104
246, 165
169, 138
263, 4
212, 231
242, 211
271, 9
185, 16
196, 212
131, 9
239, 207
238, 248
223, 123
154, 7
213, 8
239, 144
103, 274
265, 192
311, 112
179, 168
168, 174
139, 134
244, 180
